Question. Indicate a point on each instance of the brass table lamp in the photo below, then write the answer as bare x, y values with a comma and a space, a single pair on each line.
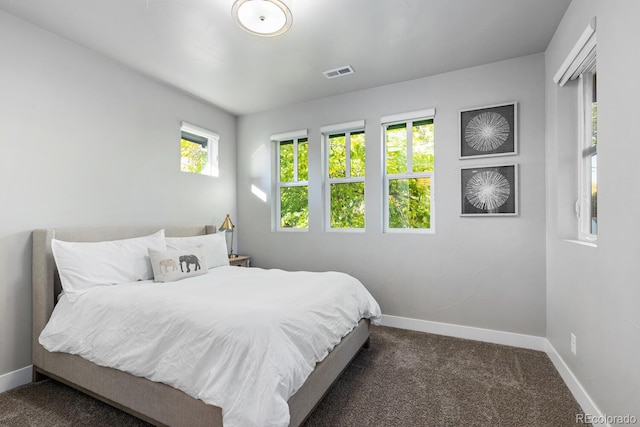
227, 226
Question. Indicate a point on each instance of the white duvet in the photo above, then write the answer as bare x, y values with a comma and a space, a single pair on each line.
243, 339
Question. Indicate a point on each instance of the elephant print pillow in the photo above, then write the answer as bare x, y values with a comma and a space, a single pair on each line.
169, 266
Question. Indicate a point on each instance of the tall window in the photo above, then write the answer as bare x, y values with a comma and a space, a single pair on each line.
588, 202
198, 150
580, 64
409, 171
345, 177
292, 182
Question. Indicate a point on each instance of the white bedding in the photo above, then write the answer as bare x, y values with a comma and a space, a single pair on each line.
243, 339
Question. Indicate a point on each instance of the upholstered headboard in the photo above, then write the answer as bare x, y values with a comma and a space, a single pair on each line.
45, 279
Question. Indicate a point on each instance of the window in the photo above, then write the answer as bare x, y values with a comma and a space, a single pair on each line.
588, 178
409, 171
580, 65
345, 173
198, 150
292, 154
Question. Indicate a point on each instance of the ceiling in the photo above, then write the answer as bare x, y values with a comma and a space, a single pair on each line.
195, 46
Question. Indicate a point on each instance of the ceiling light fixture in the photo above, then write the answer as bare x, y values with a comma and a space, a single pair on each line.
262, 17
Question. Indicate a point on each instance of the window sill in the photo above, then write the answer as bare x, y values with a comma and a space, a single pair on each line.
582, 242
346, 230
291, 230
409, 231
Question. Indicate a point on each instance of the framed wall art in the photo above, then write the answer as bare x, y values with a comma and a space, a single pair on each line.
489, 131
489, 190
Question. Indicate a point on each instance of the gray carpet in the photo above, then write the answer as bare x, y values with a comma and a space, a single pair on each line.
405, 379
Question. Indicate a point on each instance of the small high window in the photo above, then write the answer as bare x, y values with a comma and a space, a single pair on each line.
198, 150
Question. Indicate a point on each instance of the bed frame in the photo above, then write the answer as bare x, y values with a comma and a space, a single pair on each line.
154, 402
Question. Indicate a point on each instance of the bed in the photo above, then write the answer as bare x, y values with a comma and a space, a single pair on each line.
152, 401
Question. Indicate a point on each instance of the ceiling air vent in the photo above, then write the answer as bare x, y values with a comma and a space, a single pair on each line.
338, 72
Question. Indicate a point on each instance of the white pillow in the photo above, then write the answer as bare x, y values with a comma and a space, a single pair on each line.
169, 266
213, 245
83, 265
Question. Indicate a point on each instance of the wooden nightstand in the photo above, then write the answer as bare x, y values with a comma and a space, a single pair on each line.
240, 261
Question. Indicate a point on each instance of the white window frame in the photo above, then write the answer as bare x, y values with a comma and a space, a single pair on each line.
580, 64
348, 128
211, 168
294, 136
408, 118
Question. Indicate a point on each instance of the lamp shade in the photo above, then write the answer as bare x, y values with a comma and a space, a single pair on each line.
227, 225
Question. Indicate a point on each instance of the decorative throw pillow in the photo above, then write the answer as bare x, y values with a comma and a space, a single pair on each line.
172, 265
83, 265
213, 245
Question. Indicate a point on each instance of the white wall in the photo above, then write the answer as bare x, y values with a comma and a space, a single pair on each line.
482, 272
86, 142
595, 292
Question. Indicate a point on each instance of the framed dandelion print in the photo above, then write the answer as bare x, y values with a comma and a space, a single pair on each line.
489, 131
489, 190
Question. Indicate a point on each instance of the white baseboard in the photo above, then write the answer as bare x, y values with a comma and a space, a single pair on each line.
579, 393
505, 338
15, 379
477, 334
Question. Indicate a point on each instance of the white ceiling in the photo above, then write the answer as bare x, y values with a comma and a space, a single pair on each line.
194, 45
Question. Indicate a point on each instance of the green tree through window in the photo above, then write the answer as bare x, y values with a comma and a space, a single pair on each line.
409, 165
193, 157
293, 176
346, 174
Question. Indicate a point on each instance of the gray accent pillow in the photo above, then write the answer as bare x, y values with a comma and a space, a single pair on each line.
213, 245
169, 266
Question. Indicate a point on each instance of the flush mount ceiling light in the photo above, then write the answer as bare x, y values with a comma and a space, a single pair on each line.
262, 17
